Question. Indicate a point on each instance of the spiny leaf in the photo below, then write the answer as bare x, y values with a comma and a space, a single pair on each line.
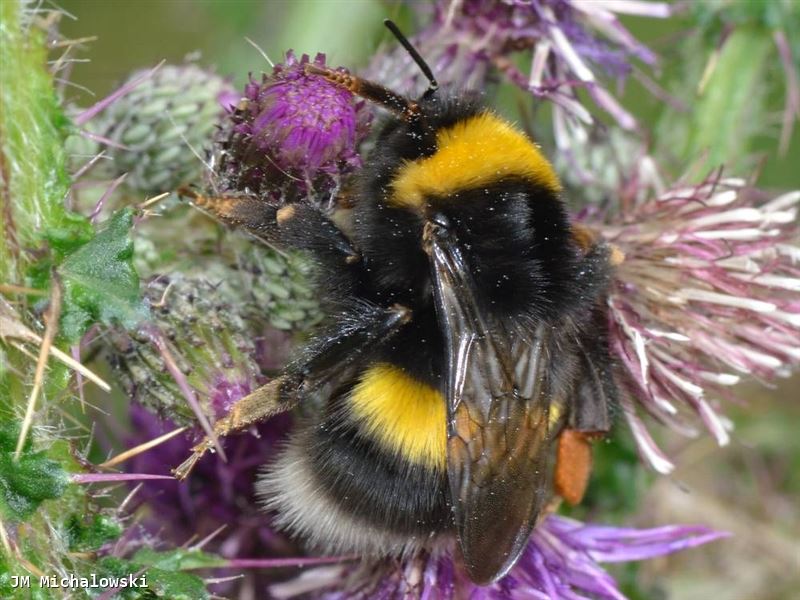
100, 283
89, 534
161, 583
26, 482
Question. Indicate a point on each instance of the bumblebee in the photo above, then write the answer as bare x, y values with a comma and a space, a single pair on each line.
464, 366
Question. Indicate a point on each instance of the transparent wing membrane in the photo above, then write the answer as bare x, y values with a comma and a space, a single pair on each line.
499, 435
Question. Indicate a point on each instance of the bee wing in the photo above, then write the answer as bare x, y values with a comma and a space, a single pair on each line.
498, 422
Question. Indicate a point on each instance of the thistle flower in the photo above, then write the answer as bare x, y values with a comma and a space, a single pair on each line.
466, 41
561, 562
157, 127
707, 293
293, 132
218, 503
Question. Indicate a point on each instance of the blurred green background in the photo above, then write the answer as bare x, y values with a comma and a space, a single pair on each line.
749, 488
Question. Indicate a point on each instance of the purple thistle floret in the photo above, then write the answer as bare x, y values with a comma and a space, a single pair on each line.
292, 131
567, 41
707, 293
219, 493
561, 562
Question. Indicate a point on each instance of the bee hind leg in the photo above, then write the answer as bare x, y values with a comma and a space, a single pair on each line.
573, 464
327, 360
271, 399
594, 397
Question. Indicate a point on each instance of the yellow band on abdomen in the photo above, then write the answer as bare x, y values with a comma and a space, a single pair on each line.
403, 414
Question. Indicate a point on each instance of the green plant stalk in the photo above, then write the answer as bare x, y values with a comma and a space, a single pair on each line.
726, 114
33, 177
54, 526
37, 229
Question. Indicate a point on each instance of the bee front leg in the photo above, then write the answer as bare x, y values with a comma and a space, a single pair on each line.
305, 226
246, 212
299, 226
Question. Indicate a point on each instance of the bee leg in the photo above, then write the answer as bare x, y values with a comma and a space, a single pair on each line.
246, 212
277, 396
306, 227
573, 465
325, 361
586, 240
584, 237
301, 226
406, 109
346, 198
595, 395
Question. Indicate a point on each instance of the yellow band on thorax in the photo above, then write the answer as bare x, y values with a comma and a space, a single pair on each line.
404, 415
472, 153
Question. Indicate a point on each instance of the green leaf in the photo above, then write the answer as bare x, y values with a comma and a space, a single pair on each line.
86, 534
71, 233
26, 482
176, 585
9, 434
100, 282
161, 583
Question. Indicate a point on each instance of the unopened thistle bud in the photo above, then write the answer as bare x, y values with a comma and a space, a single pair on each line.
164, 123
275, 289
202, 342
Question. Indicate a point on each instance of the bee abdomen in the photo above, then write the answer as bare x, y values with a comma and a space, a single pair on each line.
337, 492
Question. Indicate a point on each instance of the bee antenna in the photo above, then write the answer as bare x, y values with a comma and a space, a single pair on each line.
433, 85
